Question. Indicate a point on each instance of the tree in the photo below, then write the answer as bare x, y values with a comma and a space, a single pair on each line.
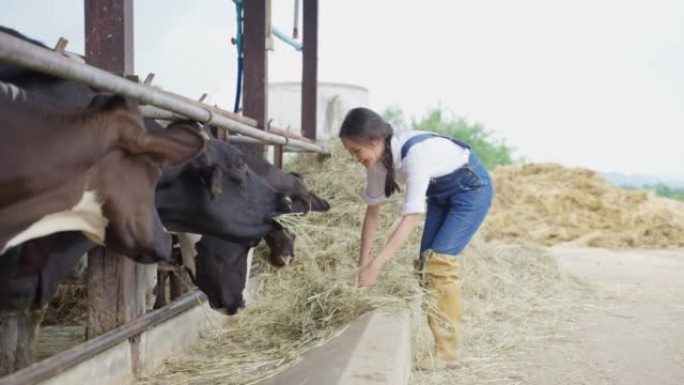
395, 117
491, 151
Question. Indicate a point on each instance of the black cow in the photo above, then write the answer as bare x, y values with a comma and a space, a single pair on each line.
219, 268
290, 183
222, 266
235, 203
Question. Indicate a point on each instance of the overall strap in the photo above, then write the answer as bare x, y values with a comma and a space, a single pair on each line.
421, 137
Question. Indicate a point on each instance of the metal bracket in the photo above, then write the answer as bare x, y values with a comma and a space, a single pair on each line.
61, 45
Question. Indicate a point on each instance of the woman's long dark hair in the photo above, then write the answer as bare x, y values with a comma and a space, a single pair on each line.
363, 125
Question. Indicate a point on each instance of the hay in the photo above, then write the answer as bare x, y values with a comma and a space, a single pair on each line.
516, 300
306, 302
69, 306
515, 297
548, 204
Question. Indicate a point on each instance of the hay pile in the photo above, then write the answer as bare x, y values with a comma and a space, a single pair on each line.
515, 297
307, 301
548, 204
516, 301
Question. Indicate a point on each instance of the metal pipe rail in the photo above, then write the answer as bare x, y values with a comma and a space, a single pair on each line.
162, 114
17, 51
286, 39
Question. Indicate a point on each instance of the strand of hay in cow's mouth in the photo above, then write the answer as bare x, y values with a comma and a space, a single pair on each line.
515, 297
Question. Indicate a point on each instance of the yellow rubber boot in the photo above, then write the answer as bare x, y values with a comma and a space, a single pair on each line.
442, 281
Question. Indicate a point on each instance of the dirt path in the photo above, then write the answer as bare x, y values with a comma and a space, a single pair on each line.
633, 336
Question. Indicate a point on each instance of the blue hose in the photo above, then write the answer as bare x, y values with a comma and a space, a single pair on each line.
238, 45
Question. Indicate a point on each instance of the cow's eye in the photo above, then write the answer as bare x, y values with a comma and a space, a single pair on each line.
237, 174
240, 163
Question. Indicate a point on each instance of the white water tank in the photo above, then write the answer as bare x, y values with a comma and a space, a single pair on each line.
332, 103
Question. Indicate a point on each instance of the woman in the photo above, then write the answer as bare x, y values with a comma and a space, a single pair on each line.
459, 194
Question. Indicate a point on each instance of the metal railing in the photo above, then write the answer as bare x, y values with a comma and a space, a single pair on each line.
22, 53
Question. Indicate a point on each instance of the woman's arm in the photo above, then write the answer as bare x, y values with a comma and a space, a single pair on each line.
369, 272
370, 224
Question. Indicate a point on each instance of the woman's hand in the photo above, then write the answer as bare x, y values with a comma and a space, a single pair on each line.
367, 275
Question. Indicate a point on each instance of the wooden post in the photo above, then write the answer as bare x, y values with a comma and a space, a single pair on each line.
278, 156
309, 68
112, 279
112, 298
255, 100
114, 293
109, 35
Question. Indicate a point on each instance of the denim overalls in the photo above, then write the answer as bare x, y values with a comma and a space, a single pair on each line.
457, 203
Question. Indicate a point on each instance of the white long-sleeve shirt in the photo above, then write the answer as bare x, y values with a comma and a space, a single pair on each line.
431, 158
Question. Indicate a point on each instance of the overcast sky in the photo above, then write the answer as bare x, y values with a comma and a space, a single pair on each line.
593, 83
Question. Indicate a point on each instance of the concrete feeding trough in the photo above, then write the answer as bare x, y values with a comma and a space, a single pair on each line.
374, 350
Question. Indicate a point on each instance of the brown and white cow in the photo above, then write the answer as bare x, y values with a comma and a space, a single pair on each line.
64, 173
91, 170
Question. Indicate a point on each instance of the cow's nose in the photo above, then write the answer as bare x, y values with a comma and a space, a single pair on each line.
322, 205
233, 309
284, 203
279, 260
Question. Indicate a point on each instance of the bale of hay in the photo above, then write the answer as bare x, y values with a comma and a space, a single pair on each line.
549, 204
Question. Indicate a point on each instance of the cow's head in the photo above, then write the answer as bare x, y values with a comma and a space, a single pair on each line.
217, 194
125, 178
303, 199
289, 183
222, 272
281, 245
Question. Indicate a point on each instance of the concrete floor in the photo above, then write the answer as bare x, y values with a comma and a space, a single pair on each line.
633, 337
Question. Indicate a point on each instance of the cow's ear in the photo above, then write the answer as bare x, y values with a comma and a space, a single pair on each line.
173, 146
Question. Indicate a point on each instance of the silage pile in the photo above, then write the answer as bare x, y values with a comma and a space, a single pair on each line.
548, 204
515, 297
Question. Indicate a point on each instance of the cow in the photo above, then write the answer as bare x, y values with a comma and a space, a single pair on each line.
29, 277
237, 187
77, 181
220, 267
289, 183
31, 270
236, 203
281, 241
